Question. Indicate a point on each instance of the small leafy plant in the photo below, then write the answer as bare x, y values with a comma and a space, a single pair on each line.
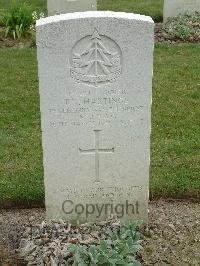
17, 21
120, 249
183, 27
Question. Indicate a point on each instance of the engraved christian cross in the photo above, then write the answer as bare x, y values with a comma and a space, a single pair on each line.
96, 151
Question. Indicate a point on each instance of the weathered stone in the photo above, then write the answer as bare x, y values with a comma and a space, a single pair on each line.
95, 71
56, 7
173, 8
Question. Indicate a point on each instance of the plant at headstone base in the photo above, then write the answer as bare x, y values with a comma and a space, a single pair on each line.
120, 249
183, 27
17, 22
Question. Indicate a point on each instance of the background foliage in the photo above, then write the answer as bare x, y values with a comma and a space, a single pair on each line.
18, 21
153, 8
183, 27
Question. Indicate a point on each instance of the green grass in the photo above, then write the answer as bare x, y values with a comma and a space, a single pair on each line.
175, 164
175, 136
152, 8
39, 5
21, 173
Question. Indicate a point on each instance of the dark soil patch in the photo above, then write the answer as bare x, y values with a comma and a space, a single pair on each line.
22, 204
9, 42
12, 225
172, 238
161, 37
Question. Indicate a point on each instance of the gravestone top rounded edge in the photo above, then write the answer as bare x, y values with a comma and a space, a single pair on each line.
93, 14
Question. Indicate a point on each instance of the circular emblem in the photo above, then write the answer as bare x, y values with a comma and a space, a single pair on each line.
96, 60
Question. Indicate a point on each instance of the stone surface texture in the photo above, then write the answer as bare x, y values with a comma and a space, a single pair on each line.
173, 8
95, 72
56, 7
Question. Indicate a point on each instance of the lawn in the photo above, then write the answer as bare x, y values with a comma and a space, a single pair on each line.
40, 5
175, 164
152, 8
21, 173
175, 136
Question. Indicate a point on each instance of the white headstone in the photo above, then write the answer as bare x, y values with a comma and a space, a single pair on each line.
95, 72
173, 8
56, 7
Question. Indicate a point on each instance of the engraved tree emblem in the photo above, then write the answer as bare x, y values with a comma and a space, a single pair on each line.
96, 64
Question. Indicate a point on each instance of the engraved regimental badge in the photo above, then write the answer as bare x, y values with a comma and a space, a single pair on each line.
96, 60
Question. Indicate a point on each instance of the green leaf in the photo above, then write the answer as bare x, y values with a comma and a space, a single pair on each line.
18, 21
102, 259
103, 246
7, 31
135, 248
